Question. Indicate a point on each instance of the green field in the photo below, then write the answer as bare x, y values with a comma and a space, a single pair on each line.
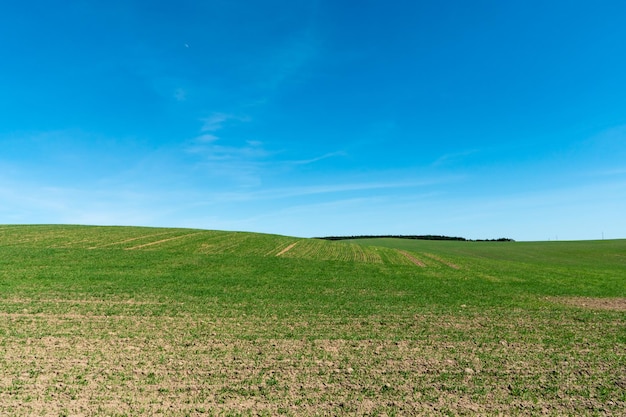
126, 321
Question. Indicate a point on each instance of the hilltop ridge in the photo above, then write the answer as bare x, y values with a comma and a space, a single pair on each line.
416, 237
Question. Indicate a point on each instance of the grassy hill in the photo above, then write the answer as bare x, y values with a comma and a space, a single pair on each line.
191, 241
157, 321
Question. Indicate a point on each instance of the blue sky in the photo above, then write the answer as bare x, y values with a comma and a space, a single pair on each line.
480, 119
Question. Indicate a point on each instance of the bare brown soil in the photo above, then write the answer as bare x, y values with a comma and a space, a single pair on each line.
161, 241
615, 304
287, 249
190, 365
121, 242
439, 259
84, 301
412, 258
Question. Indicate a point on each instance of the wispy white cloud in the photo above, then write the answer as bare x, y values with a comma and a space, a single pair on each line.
582, 212
238, 160
319, 158
243, 164
288, 219
454, 157
340, 188
215, 122
208, 147
214, 152
208, 137
301, 191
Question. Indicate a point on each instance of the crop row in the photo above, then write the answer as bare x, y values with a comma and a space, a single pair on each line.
95, 237
204, 242
244, 244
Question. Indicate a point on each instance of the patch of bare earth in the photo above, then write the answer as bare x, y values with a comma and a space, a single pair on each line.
196, 364
158, 242
439, 259
128, 240
616, 304
287, 249
129, 301
412, 258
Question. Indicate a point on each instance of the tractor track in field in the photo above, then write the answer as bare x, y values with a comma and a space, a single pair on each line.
593, 303
81, 301
161, 241
443, 261
412, 258
287, 249
121, 242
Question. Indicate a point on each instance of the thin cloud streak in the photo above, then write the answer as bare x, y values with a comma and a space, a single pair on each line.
289, 192
210, 152
206, 138
453, 157
215, 122
319, 158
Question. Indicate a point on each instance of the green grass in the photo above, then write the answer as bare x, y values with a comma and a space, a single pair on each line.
157, 321
577, 268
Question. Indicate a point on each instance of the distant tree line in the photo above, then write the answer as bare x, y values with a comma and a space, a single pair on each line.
417, 237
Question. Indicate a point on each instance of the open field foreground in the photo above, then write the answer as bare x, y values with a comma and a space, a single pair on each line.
124, 321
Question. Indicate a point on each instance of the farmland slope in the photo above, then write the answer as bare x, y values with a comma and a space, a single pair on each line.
191, 241
153, 321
